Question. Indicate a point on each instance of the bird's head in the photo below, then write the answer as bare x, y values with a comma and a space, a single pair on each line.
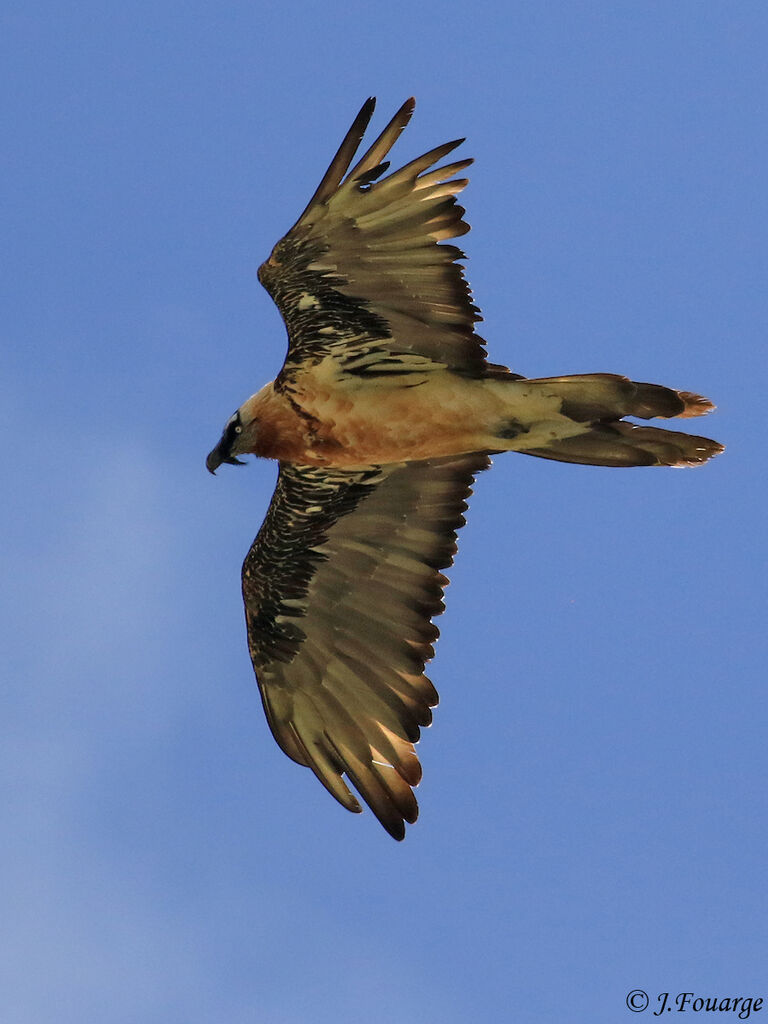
237, 438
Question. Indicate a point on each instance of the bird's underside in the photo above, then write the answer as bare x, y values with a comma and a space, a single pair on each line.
383, 412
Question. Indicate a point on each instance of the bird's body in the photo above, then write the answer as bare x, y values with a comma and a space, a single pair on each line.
330, 418
383, 412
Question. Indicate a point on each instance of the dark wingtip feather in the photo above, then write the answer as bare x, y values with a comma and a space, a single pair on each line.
395, 829
375, 172
343, 157
382, 145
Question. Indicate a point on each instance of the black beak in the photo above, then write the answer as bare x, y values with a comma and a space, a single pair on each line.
219, 456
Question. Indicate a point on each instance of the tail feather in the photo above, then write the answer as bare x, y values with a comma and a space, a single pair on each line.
597, 403
625, 444
593, 397
695, 405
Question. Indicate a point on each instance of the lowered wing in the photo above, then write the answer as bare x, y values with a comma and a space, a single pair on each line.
340, 588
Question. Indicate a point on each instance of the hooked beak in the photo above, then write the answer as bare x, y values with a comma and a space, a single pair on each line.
218, 456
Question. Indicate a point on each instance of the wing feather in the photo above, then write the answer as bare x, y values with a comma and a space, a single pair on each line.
370, 250
341, 161
327, 768
340, 587
373, 157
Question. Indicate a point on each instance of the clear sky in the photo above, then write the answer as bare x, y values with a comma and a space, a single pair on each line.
593, 810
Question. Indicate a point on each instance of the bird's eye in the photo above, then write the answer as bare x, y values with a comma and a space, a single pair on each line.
238, 429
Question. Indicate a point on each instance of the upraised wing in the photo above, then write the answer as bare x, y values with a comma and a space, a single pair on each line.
362, 277
340, 588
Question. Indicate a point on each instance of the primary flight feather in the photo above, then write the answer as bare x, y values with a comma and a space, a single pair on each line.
383, 412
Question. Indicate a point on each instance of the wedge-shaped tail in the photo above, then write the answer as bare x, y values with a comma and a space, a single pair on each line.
601, 400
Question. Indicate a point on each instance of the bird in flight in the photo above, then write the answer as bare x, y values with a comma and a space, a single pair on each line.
384, 411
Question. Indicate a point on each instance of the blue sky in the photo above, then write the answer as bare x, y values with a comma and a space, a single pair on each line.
593, 811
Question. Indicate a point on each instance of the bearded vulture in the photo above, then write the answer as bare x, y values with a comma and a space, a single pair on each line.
384, 411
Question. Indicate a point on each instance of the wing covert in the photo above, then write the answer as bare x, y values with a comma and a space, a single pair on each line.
340, 587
